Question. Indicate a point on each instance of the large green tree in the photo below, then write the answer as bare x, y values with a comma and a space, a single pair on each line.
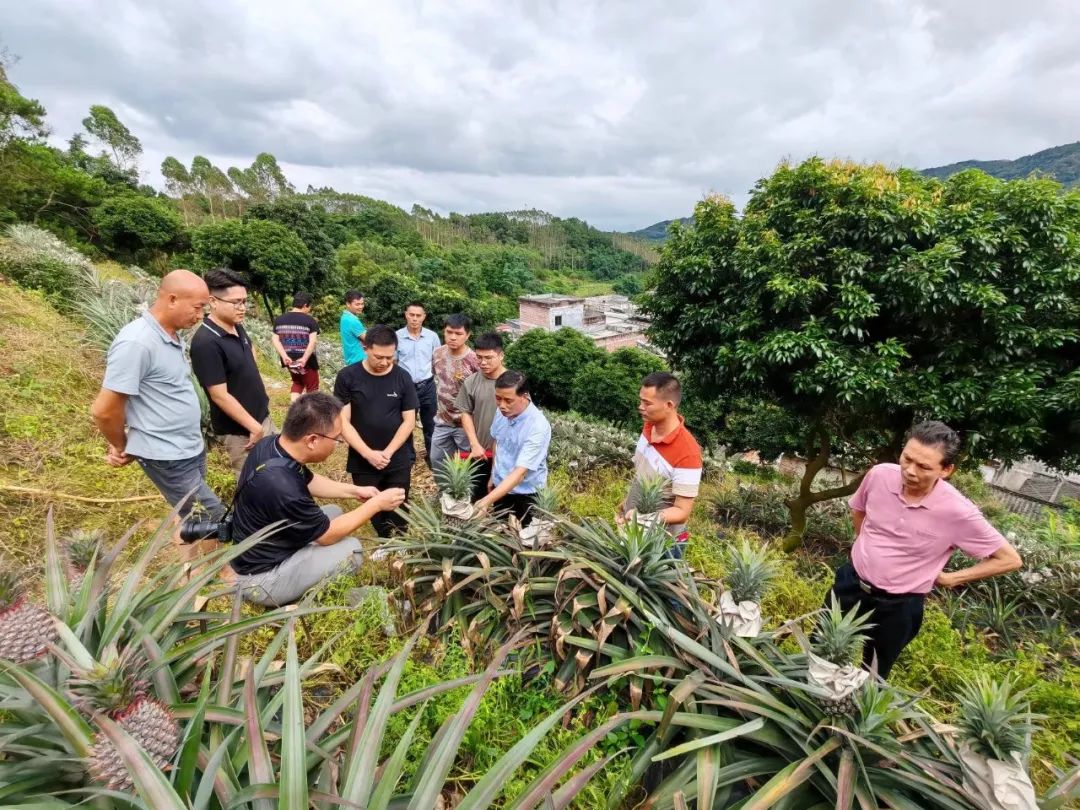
134, 227
274, 259
857, 300
608, 386
551, 360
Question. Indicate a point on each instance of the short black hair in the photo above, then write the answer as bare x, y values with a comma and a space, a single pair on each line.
302, 299
667, 385
219, 280
458, 320
352, 295
416, 304
311, 413
489, 341
939, 435
380, 335
512, 378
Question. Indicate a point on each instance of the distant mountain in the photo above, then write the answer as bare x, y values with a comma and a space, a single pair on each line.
658, 232
1061, 162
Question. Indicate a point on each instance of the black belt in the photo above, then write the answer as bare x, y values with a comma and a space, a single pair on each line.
881, 593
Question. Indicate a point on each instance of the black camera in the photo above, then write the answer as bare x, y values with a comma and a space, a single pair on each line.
198, 529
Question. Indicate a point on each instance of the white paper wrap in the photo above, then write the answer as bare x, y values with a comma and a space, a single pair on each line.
649, 520
995, 784
743, 618
463, 509
838, 681
537, 534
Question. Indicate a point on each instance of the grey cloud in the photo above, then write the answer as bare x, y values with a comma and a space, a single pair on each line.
620, 113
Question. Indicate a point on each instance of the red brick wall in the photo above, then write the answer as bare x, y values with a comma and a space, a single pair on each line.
615, 342
531, 314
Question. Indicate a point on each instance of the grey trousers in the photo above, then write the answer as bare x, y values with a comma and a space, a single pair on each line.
184, 480
305, 569
447, 440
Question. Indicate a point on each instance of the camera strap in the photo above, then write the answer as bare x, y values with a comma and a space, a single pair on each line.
270, 464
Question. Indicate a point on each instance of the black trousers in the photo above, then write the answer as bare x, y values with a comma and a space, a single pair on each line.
482, 466
429, 404
896, 617
386, 523
520, 506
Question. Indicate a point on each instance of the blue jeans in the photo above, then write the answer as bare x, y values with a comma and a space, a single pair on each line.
184, 480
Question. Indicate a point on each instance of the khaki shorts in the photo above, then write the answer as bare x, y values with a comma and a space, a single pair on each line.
235, 445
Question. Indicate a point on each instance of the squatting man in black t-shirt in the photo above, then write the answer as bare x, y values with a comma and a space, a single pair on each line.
378, 420
315, 542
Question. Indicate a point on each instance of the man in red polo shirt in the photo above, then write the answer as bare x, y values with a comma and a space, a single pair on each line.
665, 449
908, 520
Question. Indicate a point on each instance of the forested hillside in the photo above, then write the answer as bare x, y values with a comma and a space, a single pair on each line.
93, 195
1060, 162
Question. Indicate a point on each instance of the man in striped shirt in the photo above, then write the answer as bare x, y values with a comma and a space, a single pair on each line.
665, 449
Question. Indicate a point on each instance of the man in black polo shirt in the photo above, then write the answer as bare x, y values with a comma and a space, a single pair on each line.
275, 485
378, 420
224, 364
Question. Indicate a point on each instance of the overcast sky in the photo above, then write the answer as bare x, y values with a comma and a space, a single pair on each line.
623, 113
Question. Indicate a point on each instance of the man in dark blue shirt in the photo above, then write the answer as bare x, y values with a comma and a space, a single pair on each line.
275, 485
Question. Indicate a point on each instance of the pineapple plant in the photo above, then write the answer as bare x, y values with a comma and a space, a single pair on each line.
80, 546
455, 476
113, 687
995, 736
748, 572
26, 629
837, 650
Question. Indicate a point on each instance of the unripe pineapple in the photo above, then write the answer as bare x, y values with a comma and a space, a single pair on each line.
748, 572
839, 639
26, 629
113, 687
80, 547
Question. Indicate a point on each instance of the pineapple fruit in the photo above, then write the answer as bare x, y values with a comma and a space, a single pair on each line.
80, 547
650, 497
26, 629
748, 572
839, 639
455, 476
114, 687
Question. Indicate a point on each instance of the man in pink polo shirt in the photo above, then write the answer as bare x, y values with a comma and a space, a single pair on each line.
908, 520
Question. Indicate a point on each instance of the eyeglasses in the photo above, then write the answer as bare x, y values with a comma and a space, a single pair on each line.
335, 439
240, 304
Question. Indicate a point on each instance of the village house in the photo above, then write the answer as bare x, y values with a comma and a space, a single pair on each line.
612, 321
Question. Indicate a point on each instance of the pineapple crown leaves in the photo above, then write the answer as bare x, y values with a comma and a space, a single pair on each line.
651, 494
81, 545
749, 571
994, 717
455, 475
112, 683
839, 637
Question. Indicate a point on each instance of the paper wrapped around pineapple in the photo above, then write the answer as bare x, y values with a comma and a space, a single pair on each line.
541, 531
742, 618
748, 573
457, 508
838, 681
833, 663
997, 784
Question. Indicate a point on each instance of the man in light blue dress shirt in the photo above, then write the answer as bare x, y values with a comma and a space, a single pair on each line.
522, 436
416, 345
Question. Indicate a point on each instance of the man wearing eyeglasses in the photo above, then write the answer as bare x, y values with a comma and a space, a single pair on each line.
277, 487
224, 364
